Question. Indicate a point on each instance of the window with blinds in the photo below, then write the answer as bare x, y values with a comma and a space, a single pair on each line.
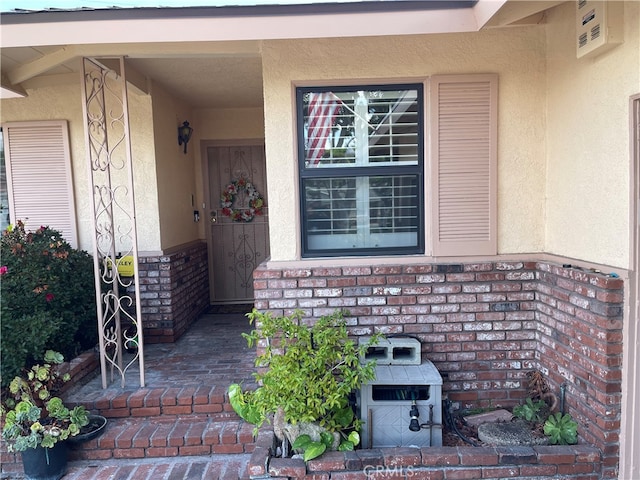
362, 168
361, 172
39, 180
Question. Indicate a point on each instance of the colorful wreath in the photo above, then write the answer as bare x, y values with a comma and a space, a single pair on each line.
256, 202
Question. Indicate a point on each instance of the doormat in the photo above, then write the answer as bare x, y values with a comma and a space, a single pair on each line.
231, 308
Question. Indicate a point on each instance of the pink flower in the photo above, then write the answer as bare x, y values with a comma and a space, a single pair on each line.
49, 297
3, 270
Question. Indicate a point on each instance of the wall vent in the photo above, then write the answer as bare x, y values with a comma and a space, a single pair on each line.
582, 40
598, 26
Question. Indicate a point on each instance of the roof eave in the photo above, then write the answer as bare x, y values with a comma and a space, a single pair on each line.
118, 13
206, 24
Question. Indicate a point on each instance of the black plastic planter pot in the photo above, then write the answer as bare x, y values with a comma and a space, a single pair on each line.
95, 428
45, 463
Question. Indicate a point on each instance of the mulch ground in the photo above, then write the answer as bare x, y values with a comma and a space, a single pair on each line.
451, 439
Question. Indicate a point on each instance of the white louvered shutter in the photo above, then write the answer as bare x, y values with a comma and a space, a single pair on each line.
463, 152
39, 176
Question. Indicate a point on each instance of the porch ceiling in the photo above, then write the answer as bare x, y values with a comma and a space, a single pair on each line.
227, 77
222, 82
205, 72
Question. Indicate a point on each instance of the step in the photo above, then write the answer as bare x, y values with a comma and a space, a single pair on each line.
167, 437
158, 422
213, 467
154, 402
183, 410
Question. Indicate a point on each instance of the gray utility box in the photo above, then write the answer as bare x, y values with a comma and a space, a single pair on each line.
385, 406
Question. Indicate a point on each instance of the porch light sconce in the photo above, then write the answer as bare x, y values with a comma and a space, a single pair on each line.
184, 134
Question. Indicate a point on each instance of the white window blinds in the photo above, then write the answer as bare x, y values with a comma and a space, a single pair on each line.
361, 128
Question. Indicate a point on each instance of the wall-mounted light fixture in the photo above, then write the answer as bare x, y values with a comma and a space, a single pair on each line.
184, 134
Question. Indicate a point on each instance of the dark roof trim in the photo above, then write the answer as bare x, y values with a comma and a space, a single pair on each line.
86, 14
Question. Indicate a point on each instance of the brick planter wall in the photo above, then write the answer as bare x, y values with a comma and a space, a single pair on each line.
579, 344
174, 291
485, 325
434, 463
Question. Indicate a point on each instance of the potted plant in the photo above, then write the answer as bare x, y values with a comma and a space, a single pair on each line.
36, 422
308, 374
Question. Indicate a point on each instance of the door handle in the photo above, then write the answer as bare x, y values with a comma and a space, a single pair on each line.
214, 217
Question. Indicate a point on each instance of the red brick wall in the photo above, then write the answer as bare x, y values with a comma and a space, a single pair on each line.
174, 291
435, 463
484, 325
579, 344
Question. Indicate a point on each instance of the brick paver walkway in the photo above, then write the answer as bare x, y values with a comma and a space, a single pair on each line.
212, 352
212, 467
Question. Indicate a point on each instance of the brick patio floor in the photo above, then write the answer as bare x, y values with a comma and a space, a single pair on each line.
222, 467
179, 426
211, 353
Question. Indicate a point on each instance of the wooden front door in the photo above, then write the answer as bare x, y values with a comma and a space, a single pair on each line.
236, 247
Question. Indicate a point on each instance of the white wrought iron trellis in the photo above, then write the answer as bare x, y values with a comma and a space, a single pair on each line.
106, 116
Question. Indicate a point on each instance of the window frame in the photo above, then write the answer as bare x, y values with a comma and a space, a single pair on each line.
341, 171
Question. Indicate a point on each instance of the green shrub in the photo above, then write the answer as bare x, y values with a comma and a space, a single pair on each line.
47, 298
309, 372
19, 350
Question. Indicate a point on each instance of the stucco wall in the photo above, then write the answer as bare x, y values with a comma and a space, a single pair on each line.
174, 169
229, 123
64, 102
588, 141
516, 55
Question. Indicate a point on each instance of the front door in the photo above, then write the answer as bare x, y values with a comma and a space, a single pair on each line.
239, 234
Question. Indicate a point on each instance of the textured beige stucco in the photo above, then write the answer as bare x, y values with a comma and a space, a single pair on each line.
64, 102
563, 146
588, 141
516, 55
144, 173
230, 123
174, 170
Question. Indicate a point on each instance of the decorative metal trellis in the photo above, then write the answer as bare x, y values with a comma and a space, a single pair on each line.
106, 116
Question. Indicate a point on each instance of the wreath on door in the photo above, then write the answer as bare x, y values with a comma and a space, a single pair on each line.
228, 197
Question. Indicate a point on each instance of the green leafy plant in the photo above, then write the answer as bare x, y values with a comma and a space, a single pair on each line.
309, 372
530, 411
47, 300
33, 415
561, 429
312, 449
